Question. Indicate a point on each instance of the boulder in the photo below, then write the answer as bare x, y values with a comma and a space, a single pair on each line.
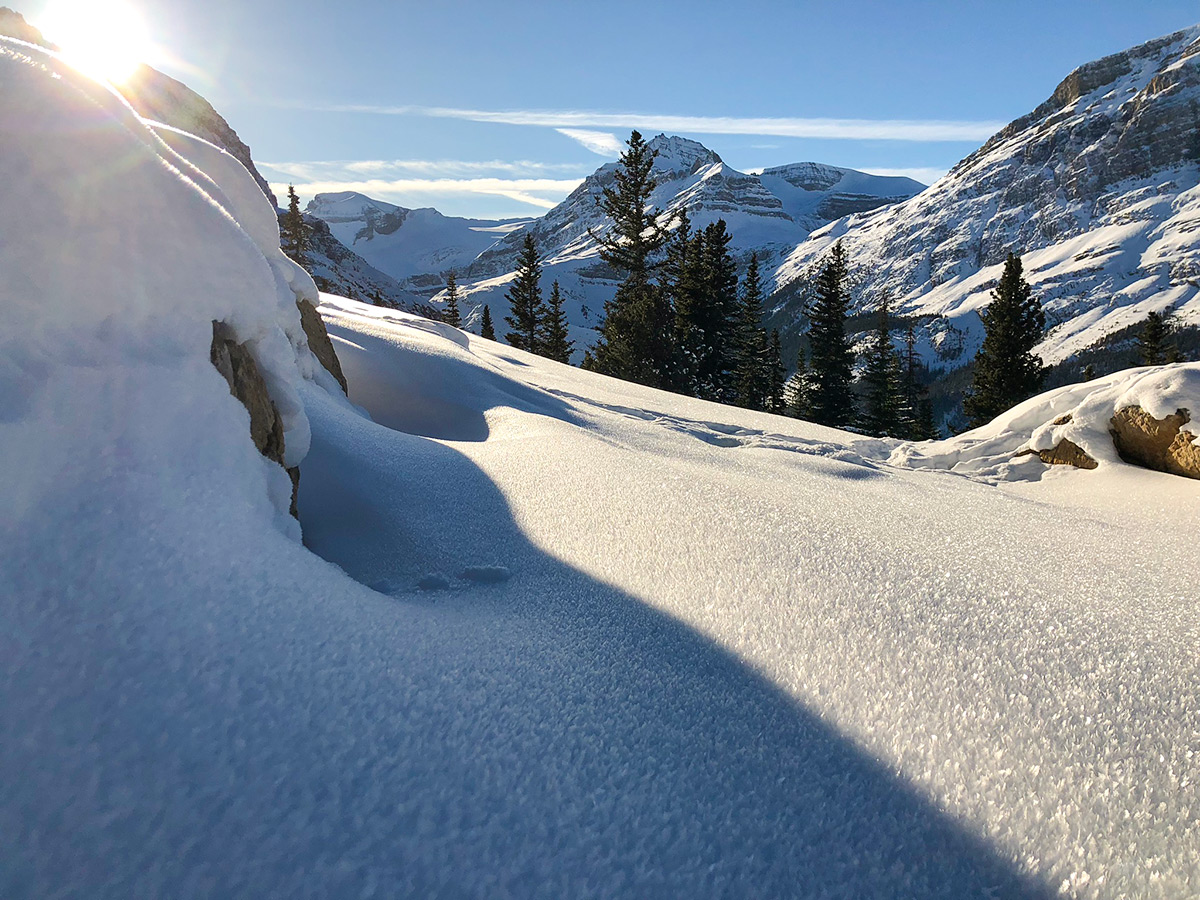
1064, 453
1154, 443
235, 362
319, 342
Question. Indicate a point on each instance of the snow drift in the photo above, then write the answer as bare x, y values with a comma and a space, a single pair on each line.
550, 634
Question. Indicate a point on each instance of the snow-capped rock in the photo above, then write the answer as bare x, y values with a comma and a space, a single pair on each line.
1097, 189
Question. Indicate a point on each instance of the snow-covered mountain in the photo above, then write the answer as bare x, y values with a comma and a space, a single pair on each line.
513, 656
1097, 189
407, 242
768, 214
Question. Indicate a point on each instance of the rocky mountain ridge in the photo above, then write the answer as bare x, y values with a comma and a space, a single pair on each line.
1097, 189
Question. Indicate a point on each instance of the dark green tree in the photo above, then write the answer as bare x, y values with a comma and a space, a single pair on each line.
881, 378
752, 360
486, 328
450, 314
1006, 369
293, 232
830, 397
525, 301
796, 392
635, 340
916, 410
554, 330
1152, 341
776, 374
1089, 372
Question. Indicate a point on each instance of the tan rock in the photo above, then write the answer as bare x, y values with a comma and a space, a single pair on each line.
1064, 453
319, 342
235, 362
1154, 443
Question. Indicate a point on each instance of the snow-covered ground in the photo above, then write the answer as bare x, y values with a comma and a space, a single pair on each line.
547, 634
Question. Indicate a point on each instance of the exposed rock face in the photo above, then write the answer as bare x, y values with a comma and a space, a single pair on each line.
319, 342
235, 362
1156, 443
1065, 453
1097, 188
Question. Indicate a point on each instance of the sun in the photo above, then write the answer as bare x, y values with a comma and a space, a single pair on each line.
105, 39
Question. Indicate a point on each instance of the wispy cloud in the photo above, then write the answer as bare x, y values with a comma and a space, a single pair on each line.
603, 143
544, 193
449, 168
836, 129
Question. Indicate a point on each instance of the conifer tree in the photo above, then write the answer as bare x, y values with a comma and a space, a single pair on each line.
796, 392
1152, 341
775, 373
1089, 372
636, 335
554, 332
881, 378
752, 374
294, 233
916, 411
525, 301
486, 328
450, 314
830, 398
1006, 370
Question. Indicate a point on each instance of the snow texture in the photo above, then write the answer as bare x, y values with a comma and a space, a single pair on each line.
620, 642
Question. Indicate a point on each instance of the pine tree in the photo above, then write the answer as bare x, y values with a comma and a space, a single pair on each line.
525, 301
554, 343
293, 232
916, 411
775, 373
1089, 372
830, 398
881, 378
1006, 370
1152, 341
486, 329
450, 314
752, 362
796, 392
636, 335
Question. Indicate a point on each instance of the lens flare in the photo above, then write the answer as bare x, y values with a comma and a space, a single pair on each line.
105, 39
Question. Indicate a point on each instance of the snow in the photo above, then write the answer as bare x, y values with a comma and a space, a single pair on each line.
548, 634
1079, 413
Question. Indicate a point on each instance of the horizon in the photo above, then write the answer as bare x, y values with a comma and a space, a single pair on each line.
364, 99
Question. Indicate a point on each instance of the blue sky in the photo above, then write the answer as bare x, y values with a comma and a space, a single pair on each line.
500, 108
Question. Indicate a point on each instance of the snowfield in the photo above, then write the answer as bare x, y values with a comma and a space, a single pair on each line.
547, 634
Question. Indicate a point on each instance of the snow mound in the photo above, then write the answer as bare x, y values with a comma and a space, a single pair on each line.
1079, 413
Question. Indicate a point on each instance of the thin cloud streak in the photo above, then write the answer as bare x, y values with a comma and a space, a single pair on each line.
832, 129
522, 190
316, 169
601, 143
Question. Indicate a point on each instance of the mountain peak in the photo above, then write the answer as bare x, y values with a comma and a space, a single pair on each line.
678, 154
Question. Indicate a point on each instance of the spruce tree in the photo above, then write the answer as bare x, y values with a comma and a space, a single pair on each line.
525, 301
1089, 372
294, 233
554, 331
1152, 341
830, 398
881, 378
635, 336
775, 373
796, 392
450, 314
916, 411
752, 375
486, 329
1006, 369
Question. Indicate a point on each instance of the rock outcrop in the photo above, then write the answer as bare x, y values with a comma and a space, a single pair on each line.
319, 342
1154, 443
236, 363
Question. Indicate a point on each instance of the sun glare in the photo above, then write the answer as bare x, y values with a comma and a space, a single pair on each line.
105, 39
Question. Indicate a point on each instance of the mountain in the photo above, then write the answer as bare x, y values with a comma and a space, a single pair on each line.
1096, 189
407, 242
768, 213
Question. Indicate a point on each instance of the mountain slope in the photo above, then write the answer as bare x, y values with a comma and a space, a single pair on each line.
407, 242
1096, 189
767, 214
